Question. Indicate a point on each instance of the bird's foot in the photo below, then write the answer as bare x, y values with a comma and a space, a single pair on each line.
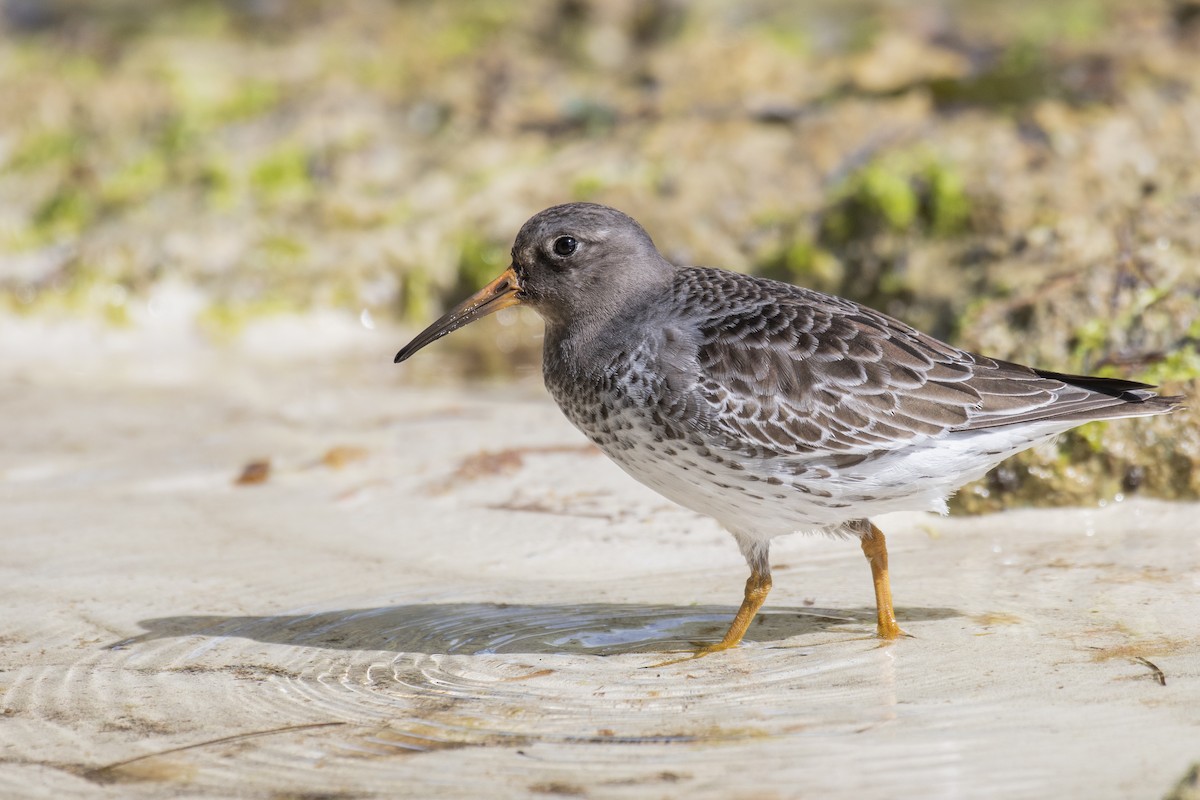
888, 633
887, 629
892, 636
701, 650
884, 635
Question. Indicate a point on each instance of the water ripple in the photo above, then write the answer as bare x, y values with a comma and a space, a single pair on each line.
359, 692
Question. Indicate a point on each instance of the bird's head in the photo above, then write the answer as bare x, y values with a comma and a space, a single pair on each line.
575, 264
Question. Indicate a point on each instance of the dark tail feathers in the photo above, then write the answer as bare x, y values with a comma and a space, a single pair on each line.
1129, 391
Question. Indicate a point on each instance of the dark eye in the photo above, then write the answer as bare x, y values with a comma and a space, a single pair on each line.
565, 245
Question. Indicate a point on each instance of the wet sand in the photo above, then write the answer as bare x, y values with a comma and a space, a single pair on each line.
443, 592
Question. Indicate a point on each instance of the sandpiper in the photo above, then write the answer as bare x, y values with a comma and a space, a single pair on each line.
772, 408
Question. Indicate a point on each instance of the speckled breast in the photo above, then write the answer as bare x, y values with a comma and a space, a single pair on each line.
624, 410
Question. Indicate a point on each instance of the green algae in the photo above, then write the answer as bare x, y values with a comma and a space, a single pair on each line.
911, 193
283, 174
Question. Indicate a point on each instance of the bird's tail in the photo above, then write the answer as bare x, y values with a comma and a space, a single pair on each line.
1129, 398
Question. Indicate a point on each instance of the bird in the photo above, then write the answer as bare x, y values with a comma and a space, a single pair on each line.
771, 408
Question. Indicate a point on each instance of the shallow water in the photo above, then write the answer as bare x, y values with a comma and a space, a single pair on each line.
405, 622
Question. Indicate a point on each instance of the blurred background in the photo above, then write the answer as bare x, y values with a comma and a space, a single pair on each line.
1021, 178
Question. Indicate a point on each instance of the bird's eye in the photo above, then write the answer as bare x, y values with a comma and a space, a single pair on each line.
565, 245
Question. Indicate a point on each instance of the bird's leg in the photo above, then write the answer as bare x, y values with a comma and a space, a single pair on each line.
874, 547
758, 586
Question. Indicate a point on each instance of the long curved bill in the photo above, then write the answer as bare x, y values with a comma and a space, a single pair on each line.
500, 293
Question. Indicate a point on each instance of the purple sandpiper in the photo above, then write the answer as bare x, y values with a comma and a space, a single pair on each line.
771, 408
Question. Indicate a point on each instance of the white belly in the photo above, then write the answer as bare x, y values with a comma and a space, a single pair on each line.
764, 498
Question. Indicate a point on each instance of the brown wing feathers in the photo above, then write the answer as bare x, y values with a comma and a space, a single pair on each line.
799, 371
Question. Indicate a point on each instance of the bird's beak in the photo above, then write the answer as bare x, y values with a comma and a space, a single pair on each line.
500, 293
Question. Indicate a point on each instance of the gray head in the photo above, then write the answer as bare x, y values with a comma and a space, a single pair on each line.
575, 264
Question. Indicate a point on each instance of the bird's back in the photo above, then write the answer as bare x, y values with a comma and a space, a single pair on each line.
736, 392
792, 370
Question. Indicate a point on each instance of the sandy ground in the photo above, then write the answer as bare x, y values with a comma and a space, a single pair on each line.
443, 593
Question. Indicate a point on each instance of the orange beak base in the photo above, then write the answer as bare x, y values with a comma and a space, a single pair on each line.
500, 293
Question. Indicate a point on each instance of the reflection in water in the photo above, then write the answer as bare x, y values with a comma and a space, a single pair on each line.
493, 628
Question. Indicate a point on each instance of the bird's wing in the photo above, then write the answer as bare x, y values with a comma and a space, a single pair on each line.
790, 372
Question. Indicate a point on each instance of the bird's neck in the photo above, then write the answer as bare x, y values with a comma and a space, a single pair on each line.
589, 343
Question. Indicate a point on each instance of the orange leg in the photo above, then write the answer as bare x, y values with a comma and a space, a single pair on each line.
758, 585
874, 547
